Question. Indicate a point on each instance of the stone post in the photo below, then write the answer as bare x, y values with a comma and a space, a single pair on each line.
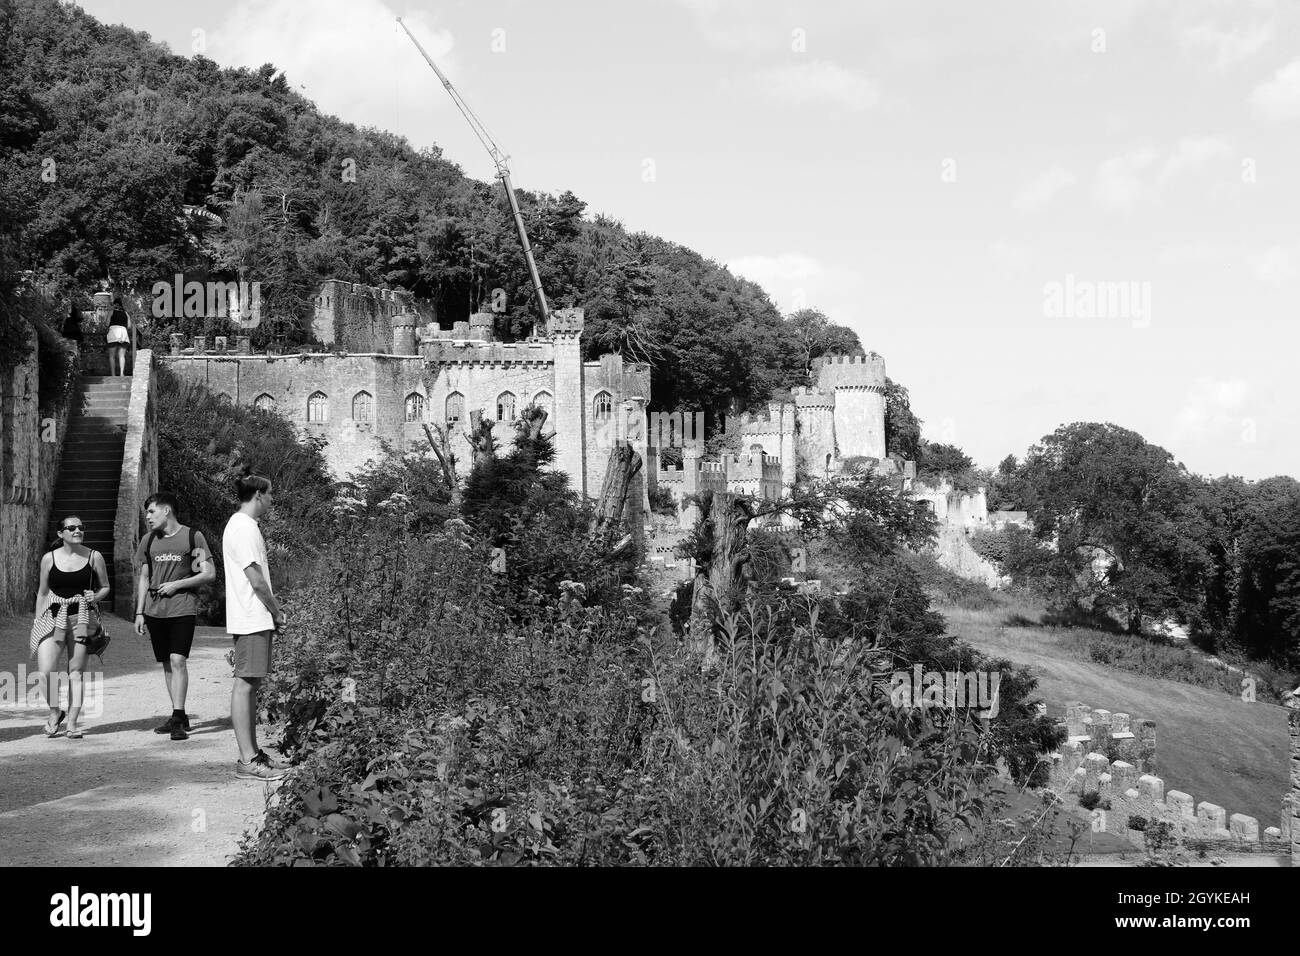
177, 343
242, 345
688, 514
1145, 731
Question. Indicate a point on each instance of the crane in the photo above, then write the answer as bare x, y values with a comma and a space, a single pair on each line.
499, 159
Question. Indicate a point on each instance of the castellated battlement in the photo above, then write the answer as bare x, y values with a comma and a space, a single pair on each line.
776, 419
566, 322
448, 351
405, 320
808, 396
850, 371
753, 467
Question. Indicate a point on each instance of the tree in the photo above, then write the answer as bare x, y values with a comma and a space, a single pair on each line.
817, 335
902, 428
1110, 500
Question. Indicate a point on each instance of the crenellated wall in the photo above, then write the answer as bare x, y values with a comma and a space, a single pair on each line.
381, 396
1129, 783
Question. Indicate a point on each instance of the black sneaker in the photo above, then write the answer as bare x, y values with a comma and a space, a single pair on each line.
168, 727
178, 731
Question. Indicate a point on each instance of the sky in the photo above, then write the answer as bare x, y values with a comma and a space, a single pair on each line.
1038, 213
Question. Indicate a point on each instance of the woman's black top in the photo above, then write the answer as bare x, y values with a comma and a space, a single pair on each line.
70, 584
119, 317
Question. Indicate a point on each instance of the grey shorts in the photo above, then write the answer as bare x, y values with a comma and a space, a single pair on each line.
252, 654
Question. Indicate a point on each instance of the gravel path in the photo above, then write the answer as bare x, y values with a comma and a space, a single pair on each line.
123, 795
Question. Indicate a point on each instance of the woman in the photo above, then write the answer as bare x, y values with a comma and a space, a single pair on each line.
72, 579
119, 337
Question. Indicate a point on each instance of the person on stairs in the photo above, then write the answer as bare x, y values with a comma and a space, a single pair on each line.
172, 562
119, 338
73, 578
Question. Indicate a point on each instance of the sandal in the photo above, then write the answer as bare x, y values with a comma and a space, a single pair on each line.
52, 730
74, 733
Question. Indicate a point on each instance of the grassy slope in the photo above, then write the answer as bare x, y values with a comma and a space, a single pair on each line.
1208, 743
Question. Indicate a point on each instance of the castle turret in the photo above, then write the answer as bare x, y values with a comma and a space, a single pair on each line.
404, 333
858, 382
482, 326
570, 406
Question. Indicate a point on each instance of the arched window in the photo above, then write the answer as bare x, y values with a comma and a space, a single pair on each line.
604, 405
265, 402
318, 407
415, 407
361, 406
455, 408
546, 403
506, 407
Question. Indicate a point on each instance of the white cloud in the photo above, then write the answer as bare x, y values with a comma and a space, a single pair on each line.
819, 81
348, 56
1226, 48
791, 279
1119, 184
1043, 189
1122, 182
734, 25
1211, 407
1192, 153
1276, 265
1279, 98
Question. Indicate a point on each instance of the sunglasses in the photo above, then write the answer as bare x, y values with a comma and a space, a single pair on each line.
71, 527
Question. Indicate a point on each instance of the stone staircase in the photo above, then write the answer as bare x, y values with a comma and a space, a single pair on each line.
91, 466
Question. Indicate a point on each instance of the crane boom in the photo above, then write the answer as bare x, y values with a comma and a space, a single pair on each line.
499, 159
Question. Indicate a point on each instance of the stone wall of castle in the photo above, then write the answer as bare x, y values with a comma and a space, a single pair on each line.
355, 400
353, 317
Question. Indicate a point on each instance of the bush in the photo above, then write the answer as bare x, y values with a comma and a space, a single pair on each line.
1089, 800
1137, 822
432, 730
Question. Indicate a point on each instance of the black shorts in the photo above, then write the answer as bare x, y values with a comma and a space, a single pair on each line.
170, 635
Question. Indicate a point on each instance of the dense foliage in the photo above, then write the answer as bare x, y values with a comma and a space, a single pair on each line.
120, 158
1121, 529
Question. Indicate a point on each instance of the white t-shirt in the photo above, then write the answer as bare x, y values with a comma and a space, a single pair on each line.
241, 545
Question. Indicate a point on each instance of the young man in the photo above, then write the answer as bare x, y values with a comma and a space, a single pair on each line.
172, 561
252, 615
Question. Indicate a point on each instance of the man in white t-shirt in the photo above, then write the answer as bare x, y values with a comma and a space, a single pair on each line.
252, 616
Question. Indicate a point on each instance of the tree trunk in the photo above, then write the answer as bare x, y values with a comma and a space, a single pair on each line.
612, 508
722, 578
440, 441
480, 437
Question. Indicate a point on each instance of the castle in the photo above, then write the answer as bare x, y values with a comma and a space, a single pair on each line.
382, 368
391, 369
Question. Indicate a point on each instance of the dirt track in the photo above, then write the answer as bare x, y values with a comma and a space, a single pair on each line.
123, 795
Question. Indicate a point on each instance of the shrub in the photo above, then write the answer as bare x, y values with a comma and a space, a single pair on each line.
466, 738
1137, 822
1089, 800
